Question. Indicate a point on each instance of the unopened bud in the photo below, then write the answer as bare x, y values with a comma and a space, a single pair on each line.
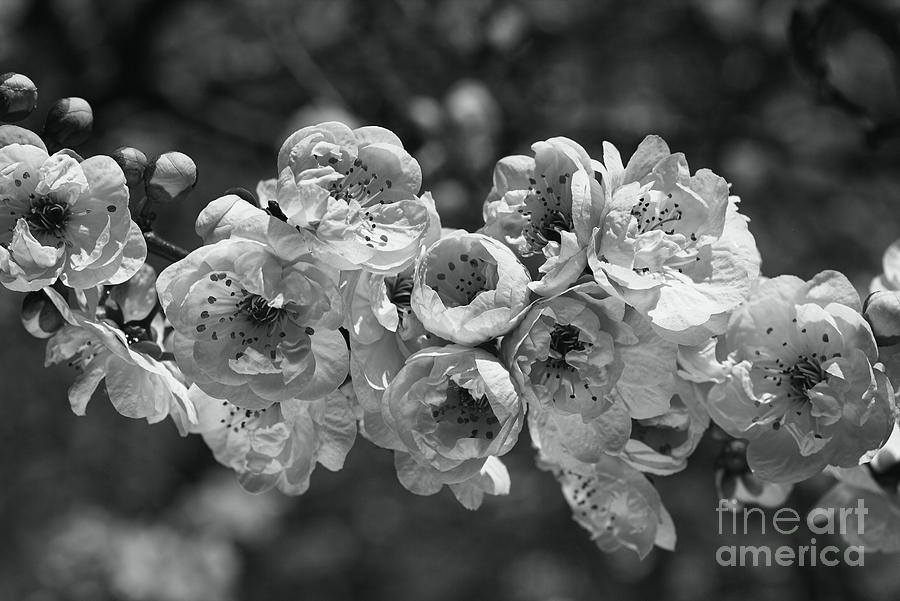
882, 311
69, 122
133, 163
18, 97
170, 177
13, 134
733, 457
39, 316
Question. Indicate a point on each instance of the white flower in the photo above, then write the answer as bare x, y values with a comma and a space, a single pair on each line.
546, 205
583, 352
383, 333
64, 220
256, 324
800, 379
469, 288
278, 446
672, 244
615, 503
121, 343
355, 191
452, 408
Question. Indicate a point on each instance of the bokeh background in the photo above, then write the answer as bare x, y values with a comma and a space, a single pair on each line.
800, 113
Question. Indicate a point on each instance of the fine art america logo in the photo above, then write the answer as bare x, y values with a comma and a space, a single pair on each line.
820, 521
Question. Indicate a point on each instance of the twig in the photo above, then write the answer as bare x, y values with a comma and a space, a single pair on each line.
163, 248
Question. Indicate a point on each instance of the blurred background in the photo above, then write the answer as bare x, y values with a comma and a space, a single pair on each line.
801, 113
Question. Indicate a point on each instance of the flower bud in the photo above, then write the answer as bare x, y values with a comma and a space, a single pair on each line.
133, 163
882, 311
170, 177
69, 122
13, 134
39, 316
18, 97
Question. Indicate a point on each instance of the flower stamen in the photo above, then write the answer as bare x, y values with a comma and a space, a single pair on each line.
48, 216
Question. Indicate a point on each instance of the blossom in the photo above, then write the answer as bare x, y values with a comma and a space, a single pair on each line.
469, 288
453, 407
546, 205
503, 219
356, 190
64, 220
611, 500
121, 343
583, 351
799, 381
256, 323
673, 245
277, 446
383, 332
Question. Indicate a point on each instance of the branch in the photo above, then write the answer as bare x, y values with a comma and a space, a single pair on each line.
163, 248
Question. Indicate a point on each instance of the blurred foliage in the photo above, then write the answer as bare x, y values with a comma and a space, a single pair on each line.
799, 110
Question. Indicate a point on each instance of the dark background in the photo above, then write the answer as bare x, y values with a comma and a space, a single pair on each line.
804, 125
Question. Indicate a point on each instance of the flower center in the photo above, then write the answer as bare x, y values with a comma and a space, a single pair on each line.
399, 289
359, 183
564, 338
548, 230
48, 216
259, 311
464, 414
652, 215
802, 375
549, 211
805, 374
459, 282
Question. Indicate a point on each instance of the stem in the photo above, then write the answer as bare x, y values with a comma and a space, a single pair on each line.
163, 248
144, 217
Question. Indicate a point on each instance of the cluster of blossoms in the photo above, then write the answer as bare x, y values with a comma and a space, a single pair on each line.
614, 309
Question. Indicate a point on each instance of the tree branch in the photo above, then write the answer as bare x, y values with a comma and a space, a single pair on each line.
163, 248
